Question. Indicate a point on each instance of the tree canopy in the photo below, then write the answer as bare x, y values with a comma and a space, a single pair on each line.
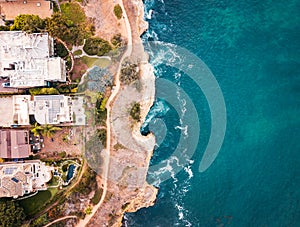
50, 130
45, 130
11, 214
59, 26
96, 46
28, 23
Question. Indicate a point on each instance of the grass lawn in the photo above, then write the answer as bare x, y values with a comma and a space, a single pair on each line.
53, 191
77, 52
73, 12
33, 204
54, 181
90, 62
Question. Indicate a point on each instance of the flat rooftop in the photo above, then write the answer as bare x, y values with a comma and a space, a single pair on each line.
14, 143
56, 109
9, 10
6, 111
27, 59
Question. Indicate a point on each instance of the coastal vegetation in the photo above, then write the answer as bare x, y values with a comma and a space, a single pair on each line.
71, 25
101, 133
101, 112
43, 91
11, 214
96, 46
118, 146
60, 27
4, 28
66, 88
87, 183
116, 40
129, 72
118, 11
135, 111
97, 196
88, 210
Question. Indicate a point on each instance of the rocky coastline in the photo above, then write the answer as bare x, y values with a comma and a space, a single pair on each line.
130, 154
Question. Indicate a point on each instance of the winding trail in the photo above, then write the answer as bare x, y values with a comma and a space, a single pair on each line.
60, 219
115, 91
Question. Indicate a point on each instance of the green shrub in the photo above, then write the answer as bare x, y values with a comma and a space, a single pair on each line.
129, 72
77, 52
61, 50
62, 154
116, 40
96, 46
88, 182
97, 196
101, 133
124, 206
4, 28
68, 63
88, 210
43, 91
135, 111
118, 11
64, 168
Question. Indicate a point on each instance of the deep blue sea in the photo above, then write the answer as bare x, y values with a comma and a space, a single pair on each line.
253, 50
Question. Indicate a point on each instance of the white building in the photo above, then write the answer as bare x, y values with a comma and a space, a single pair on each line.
52, 109
57, 109
46, 109
18, 179
27, 59
21, 109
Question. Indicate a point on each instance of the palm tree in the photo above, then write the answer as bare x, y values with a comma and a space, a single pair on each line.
49, 130
37, 129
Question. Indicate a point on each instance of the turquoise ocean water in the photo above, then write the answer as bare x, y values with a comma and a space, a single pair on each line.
253, 50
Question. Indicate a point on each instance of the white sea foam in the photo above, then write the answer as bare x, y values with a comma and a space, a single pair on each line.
181, 213
177, 75
184, 129
189, 171
149, 15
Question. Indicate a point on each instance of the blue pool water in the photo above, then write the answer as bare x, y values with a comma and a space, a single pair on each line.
71, 171
253, 50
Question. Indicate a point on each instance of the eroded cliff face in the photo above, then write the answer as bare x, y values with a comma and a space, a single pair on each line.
130, 152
